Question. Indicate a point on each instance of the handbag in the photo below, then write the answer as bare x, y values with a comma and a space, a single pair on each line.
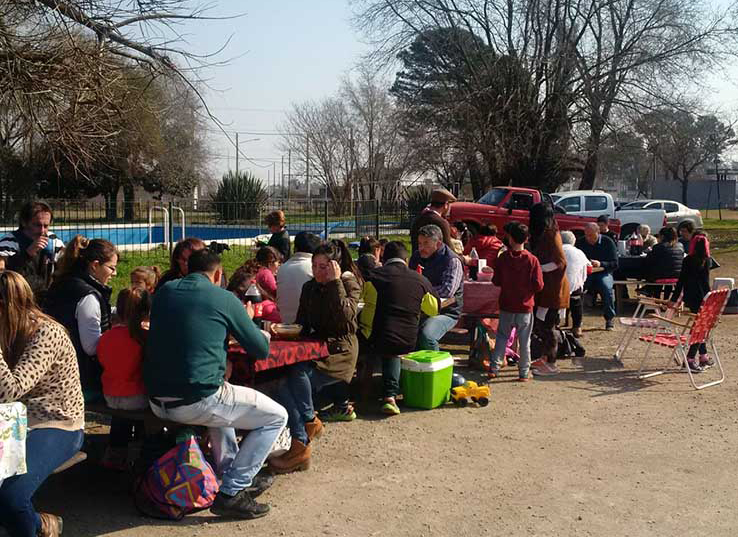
179, 482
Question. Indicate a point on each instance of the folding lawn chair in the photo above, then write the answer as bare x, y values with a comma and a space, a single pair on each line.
639, 322
673, 335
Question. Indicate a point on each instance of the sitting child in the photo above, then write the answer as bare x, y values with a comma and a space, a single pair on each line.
120, 352
145, 278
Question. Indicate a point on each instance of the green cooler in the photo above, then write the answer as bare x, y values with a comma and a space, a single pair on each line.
425, 380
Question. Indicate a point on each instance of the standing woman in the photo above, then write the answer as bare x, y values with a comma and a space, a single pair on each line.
79, 299
39, 369
546, 245
280, 238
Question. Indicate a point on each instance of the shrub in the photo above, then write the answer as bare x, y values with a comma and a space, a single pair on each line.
239, 196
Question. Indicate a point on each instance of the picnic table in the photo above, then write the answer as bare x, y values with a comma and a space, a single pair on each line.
281, 353
631, 267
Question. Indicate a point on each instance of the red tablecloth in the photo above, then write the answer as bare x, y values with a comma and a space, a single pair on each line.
281, 353
481, 298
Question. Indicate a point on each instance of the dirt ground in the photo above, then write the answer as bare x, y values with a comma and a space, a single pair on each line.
593, 451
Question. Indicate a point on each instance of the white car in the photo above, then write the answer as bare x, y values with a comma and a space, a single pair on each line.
594, 203
676, 213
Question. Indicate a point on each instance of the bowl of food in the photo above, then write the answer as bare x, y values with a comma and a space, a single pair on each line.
287, 331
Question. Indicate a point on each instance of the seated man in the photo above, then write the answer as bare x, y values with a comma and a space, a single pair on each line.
32, 250
445, 272
603, 222
184, 369
394, 298
601, 252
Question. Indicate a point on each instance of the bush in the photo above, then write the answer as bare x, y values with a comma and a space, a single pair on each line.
240, 196
417, 198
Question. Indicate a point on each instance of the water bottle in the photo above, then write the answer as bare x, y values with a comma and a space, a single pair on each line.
473, 264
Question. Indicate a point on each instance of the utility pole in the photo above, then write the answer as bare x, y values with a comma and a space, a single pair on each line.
282, 182
236, 153
274, 177
289, 173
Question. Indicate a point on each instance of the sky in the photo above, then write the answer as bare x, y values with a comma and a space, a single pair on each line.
280, 52
286, 51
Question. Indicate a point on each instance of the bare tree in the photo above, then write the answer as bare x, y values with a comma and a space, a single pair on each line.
588, 60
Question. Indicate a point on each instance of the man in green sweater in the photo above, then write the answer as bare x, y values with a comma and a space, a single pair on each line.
184, 372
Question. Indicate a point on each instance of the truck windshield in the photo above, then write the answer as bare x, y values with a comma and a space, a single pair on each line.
494, 196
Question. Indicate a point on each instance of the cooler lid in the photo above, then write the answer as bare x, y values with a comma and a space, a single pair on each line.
427, 357
426, 367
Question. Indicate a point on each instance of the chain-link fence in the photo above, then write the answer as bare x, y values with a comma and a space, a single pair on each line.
146, 228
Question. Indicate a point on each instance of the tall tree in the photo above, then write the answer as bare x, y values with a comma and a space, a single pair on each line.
683, 142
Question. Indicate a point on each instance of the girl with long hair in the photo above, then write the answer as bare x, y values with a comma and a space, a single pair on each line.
80, 300
546, 245
693, 285
39, 369
120, 352
146, 278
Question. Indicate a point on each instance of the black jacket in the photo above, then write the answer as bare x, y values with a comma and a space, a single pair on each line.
694, 283
61, 304
664, 261
395, 297
281, 241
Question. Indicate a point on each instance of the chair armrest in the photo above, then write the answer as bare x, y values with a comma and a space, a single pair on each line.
670, 321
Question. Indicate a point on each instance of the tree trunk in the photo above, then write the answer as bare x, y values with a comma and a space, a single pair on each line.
589, 173
476, 178
111, 205
129, 201
685, 187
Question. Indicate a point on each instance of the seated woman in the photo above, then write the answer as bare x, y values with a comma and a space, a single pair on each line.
39, 369
487, 244
242, 279
120, 352
664, 261
370, 251
328, 311
79, 299
146, 278
178, 263
268, 259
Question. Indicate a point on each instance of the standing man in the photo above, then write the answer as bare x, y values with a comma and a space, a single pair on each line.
445, 272
32, 250
603, 222
601, 252
435, 213
184, 373
294, 273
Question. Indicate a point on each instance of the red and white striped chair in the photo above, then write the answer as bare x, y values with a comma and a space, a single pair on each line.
639, 322
679, 336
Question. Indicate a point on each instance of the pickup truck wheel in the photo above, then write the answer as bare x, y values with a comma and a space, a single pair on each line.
462, 402
627, 230
483, 401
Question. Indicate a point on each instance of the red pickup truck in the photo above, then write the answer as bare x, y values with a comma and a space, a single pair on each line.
504, 204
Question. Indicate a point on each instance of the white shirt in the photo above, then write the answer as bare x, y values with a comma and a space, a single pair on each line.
291, 276
88, 323
576, 267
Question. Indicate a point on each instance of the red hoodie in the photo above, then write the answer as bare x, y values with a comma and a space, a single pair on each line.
519, 276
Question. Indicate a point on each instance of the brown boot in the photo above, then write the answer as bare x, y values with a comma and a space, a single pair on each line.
51, 525
314, 428
296, 459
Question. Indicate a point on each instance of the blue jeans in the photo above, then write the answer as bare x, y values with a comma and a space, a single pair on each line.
234, 407
602, 282
432, 330
391, 371
296, 394
46, 450
523, 322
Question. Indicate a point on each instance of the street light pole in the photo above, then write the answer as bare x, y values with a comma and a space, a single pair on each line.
237, 153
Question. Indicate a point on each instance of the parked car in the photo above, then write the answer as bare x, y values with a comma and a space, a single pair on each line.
503, 204
676, 213
593, 203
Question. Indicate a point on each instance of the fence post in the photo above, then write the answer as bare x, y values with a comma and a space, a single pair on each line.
170, 238
376, 221
325, 218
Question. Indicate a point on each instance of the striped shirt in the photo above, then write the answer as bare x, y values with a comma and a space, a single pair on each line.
9, 245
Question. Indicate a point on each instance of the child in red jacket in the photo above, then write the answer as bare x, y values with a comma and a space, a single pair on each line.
486, 243
120, 352
519, 276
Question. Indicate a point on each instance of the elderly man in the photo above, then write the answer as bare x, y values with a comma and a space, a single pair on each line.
602, 253
576, 273
32, 250
184, 373
443, 268
435, 213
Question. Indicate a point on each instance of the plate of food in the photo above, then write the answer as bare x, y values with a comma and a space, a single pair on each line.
287, 331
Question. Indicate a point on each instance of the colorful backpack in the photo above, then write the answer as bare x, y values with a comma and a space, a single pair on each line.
177, 483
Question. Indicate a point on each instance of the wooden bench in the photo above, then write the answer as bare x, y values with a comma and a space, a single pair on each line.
76, 459
150, 421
